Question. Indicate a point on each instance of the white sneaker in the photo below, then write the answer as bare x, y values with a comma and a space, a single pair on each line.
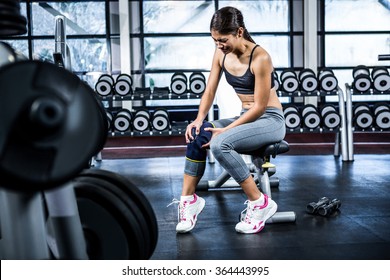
256, 215
188, 211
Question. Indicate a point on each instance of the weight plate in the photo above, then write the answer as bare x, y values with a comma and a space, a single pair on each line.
109, 120
160, 123
108, 224
361, 107
309, 84
381, 106
140, 123
107, 78
103, 88
276, 84
51, 131
378, 71
290, 84
363, 119
328, 82
125, 77
331, 119
137, 220
311, 120
308, 108
122, 87
327, 108
293, 120
143, 112
382, 119
360, 70
307, 72
290, 108
134, 194
382, 82
180, 76
178, 86
362, 83
197, 75
197, 86
287, 73
162, 112
122, 123
323, 72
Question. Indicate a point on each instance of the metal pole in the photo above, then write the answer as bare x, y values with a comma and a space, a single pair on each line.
23, 235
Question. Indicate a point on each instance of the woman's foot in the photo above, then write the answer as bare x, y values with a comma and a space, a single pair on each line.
256, 214
188, 210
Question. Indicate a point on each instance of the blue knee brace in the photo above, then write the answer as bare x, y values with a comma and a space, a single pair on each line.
195, 151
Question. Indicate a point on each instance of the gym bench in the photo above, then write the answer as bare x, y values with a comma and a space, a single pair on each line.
260, 164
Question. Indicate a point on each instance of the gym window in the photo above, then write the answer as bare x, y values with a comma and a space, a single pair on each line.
166, 36
354, 33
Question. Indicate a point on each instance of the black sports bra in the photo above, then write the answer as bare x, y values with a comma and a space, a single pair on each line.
244, 84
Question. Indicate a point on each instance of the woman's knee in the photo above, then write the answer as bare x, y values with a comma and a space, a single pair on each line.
219, 145
194, 149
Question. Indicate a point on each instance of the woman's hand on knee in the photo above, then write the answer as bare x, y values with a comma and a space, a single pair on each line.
195, 125
215, 131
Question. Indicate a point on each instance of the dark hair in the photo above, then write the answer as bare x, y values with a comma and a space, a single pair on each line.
227, 20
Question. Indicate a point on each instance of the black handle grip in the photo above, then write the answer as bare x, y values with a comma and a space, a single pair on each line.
384, 57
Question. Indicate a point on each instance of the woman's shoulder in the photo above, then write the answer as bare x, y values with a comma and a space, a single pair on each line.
261, 56
218, 56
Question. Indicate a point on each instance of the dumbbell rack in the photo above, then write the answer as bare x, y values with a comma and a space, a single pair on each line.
146, 96
350, 92
341, 132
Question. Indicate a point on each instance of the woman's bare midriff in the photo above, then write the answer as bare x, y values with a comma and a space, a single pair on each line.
247, 100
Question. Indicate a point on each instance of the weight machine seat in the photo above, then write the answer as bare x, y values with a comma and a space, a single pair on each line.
270, 149
222, 182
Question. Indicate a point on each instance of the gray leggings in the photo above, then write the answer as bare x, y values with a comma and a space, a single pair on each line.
228, 146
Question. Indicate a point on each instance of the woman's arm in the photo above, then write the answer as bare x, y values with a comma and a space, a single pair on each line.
208, 96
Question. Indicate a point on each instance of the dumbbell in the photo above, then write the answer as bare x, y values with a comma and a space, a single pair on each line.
197, 83
382, 115
160, 120
308, 80
275, 76
381, 78
330, 117
289, 80
123, 85
141, 120
313, 207
361, 78
362, 116
311, 117
179, 83
292, 117
327, 80
122, 120
104, 85
329, 208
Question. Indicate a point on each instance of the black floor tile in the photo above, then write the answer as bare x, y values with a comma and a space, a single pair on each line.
360, 230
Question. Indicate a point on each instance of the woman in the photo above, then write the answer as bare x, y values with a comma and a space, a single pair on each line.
248, 69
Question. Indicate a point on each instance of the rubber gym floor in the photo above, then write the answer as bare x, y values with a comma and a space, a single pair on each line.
360, 230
